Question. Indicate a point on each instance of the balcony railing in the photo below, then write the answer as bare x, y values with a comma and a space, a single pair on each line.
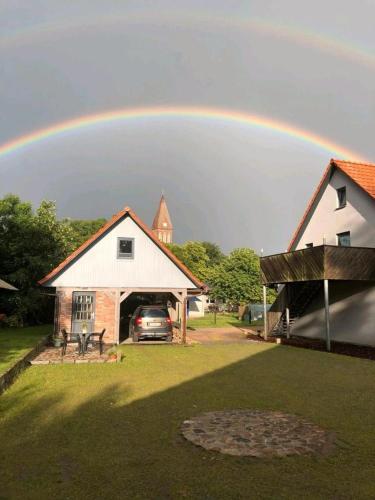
319, 263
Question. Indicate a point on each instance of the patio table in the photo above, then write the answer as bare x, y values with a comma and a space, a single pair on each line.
84, 339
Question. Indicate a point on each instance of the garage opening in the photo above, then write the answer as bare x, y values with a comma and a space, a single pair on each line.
130, 304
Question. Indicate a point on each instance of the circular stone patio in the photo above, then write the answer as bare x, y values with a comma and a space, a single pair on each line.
257, 433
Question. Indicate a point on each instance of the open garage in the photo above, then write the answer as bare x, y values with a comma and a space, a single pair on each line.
122, 266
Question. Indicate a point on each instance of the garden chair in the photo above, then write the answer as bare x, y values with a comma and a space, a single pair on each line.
96, 339
67, 339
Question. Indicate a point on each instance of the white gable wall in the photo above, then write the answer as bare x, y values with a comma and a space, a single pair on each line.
99, 266
352, 312
325, 221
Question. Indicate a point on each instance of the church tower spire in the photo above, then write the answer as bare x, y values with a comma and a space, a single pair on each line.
162, 225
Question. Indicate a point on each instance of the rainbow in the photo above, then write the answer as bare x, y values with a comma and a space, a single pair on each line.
179, 112
204, 20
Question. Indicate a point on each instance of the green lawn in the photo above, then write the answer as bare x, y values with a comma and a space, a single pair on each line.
222, 320
113, 430
15, 342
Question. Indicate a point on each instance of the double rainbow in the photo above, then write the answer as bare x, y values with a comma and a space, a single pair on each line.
208, 21
177, 112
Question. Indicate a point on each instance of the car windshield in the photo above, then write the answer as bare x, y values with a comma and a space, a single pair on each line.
153, 313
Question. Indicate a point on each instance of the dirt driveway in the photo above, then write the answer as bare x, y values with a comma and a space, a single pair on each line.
226, 335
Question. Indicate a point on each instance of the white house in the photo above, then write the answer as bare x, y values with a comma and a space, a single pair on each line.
121, 266
329, 269
342, 210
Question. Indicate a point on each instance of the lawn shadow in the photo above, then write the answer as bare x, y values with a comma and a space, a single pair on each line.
108, 447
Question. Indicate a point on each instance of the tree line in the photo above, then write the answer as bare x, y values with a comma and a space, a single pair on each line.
232, 278
32, 242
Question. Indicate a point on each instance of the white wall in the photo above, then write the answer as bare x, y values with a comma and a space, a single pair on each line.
352, 314
196, 307
99, 266
325, 220
207, 301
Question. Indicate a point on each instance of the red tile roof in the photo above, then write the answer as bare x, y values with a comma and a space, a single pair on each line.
362, 174
123, 213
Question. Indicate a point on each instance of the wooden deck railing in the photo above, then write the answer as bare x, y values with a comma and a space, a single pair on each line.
319, 263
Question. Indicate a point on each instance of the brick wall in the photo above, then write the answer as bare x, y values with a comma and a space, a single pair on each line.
104, 311
105, 314
64, 309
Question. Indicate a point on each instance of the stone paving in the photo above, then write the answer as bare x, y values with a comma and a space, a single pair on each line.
52, 355
257, 433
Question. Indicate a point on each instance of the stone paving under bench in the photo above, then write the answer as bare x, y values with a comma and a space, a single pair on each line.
52, 355
257, 433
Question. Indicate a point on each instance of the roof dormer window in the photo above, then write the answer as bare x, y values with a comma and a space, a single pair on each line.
125, 248
341, 197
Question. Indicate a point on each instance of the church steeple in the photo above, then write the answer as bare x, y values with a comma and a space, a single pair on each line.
162, 225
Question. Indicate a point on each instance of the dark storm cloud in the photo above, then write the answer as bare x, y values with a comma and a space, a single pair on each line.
232, 184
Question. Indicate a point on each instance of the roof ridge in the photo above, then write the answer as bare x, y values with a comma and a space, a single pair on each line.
106, 226
334, 160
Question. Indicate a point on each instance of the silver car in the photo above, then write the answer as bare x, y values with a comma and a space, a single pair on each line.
149, 322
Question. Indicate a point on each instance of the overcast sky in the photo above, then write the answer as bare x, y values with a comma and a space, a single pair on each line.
310, 64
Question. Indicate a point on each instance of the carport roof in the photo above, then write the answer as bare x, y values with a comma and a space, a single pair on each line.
125, 212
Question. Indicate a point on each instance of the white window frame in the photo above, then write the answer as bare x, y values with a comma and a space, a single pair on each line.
342, 205
125, 255
344, 233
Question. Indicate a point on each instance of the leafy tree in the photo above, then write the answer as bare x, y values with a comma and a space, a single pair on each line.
193, 255
81, 229
237, 278
178, 251
213, 252
196, 259
232, 279
31, 244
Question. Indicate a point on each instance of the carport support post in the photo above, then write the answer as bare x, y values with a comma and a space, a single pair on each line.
287, 313
117, 316
183, 320
326, 305
265, 312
